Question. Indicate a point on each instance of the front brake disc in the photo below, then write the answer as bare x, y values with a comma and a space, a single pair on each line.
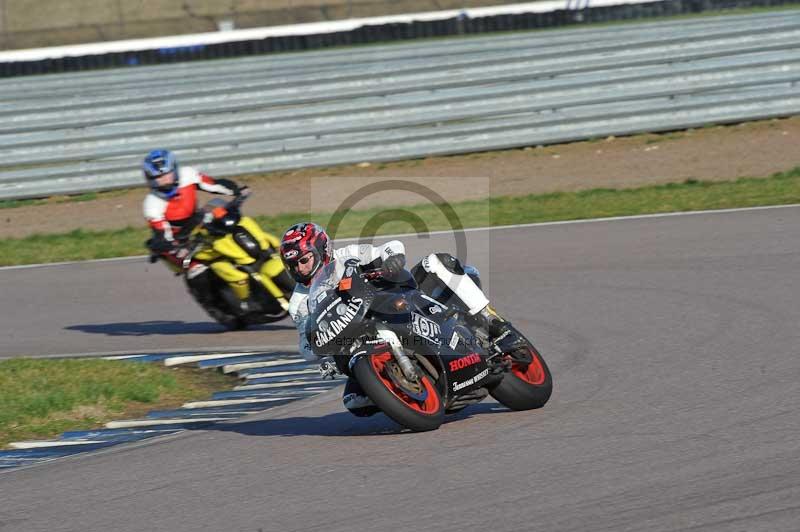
415, 390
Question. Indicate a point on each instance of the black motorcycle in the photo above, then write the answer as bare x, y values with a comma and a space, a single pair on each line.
219, 232
414, 356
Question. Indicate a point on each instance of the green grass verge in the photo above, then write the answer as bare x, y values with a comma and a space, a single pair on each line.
781, 188
43, 398
77, 198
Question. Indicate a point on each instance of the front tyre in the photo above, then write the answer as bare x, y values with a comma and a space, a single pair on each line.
525, 388
228, 320
215, 306
381, 379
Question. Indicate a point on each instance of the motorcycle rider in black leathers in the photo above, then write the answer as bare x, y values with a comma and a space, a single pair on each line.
306, 248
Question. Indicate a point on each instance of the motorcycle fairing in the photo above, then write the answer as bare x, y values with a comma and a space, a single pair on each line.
461, 376
338, 316
462, 366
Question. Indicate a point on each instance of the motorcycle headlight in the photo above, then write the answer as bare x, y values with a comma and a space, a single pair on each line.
400, 304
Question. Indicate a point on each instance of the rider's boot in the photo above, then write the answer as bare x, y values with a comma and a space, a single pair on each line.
504, 336
356, 401
451, 274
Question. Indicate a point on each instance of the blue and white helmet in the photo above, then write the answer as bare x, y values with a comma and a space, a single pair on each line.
156, 164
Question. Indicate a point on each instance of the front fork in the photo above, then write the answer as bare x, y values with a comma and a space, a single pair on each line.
396, 349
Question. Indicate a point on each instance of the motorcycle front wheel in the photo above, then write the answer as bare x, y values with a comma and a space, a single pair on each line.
416, 406
215, 306
226, 319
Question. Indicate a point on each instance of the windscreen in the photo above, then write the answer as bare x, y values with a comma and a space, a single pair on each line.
325, 279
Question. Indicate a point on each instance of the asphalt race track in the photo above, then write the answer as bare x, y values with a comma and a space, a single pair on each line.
674, 347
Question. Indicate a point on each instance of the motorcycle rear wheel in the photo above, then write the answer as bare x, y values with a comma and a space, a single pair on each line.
525, 388
419, 416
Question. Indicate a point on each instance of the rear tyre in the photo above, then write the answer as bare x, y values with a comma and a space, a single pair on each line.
525, 388
381, 378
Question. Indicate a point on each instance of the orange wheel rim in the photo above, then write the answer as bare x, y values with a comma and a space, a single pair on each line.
534, 373
430, 405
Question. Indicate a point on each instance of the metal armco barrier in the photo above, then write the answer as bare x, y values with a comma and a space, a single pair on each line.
375, 32
79, 132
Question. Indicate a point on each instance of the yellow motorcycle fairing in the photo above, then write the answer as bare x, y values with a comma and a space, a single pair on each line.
223, 255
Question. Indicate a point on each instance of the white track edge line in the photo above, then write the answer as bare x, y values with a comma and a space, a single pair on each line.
232, 368
287, 349
280, 374
52, 443
189, 359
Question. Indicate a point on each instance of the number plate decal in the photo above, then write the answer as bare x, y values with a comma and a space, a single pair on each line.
426, 328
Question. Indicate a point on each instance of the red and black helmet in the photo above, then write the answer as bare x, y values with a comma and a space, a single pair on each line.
301, 239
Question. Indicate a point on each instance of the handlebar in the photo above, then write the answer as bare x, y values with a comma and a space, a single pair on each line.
239, 199
194, 247
199, 218
232, 204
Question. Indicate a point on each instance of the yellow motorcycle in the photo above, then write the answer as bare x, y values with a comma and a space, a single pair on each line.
233, 268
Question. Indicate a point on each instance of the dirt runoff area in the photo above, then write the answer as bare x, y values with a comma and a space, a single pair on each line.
753, 149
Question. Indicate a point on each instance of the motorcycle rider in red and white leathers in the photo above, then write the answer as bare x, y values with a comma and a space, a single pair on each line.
172, 202
306, 248
170, 210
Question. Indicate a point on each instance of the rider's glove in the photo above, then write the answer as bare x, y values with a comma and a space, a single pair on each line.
181, 252
159, 244
327, 369
244, 191
394, 264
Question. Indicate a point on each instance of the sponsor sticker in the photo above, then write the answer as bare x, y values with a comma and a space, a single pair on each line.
338, 325
426, 328
454, 340
469, 382
333, 304
464, 362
